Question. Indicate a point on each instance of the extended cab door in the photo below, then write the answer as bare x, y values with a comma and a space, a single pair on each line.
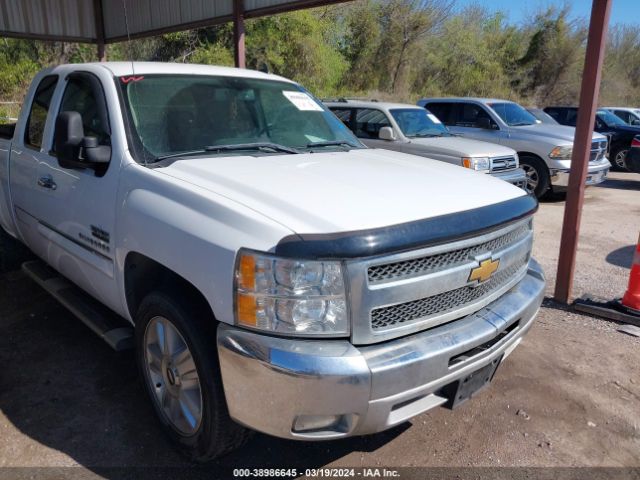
75, 208
29, 149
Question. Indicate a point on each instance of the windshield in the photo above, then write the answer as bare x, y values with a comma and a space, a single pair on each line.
610, 119
513, 114
418, 122
172, 114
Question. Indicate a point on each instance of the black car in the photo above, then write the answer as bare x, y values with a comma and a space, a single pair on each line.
615, 129
633, 157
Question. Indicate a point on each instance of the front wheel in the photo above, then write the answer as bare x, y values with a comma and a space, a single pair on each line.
178, 363
538, 180
619, 159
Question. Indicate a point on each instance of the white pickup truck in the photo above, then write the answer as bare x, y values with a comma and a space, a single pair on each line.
271, 272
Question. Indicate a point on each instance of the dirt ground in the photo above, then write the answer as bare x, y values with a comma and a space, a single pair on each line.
568, 396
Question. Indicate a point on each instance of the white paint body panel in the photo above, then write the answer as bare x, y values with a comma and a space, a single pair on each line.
193, 215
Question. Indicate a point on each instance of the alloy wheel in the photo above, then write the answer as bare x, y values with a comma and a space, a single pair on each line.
620, 157
171, 372
533, 178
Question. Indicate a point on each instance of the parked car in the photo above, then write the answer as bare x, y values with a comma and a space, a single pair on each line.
619, 133
542, 116
544, 150
271, 271
631, 116
410, 129
633, 157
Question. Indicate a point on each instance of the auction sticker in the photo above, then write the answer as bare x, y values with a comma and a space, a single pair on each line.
433, 118
302, 101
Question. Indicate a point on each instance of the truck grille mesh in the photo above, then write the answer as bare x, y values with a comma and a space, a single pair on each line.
393, 315
446, 260
502, 164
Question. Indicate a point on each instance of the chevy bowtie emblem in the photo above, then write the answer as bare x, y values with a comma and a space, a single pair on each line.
483, 272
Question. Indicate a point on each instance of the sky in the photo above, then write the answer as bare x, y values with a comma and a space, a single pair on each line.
518, 11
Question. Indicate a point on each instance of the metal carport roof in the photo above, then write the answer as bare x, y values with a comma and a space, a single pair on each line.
104, 21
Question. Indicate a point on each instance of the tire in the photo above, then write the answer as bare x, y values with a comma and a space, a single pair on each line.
12, 253
618, 159
538, 180
211, 433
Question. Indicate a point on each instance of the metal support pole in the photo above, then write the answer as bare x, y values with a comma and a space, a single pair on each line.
102, 53
238, 33
589, 92
99, 25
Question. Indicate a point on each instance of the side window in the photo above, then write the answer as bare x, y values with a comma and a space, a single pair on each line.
572, 118
344, 114
34, 130
626, 116
79, 97
369, 122
555, 114
469, 114
443, 111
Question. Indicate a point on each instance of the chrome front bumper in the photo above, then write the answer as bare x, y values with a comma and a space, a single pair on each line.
596, 173
517, 177
324, 389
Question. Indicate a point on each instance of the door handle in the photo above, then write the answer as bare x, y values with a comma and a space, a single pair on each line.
47, 182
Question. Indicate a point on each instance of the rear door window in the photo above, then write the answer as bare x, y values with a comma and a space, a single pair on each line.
469, 114
34, 130
344, 114
444, 111
369, 122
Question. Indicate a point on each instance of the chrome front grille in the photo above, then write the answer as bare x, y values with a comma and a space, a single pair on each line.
441, 261
501, 164
399, 294
443, 303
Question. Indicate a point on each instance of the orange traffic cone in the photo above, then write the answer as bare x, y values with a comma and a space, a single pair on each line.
631, 299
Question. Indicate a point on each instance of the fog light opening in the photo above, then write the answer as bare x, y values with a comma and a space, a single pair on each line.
322, 423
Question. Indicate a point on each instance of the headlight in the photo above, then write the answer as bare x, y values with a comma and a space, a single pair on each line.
476, 163
561, 153
291, 297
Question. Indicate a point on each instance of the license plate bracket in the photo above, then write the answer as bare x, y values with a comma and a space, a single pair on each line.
467, 387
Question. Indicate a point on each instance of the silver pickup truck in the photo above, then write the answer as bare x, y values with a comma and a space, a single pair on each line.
411, 129
544, 150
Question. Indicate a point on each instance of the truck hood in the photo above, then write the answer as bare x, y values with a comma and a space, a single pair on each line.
549, 131
342, 191
462, 147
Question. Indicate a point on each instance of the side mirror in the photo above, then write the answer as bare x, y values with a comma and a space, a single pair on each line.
484, 123
386, 133
74, 150
635, 121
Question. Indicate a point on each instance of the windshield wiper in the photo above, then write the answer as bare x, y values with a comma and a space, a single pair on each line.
252, 146
427, 135
521, 124
331, 143
261, 146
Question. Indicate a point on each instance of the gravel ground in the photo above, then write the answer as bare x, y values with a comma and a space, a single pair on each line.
568, 396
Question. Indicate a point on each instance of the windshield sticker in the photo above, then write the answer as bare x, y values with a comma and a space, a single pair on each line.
302, 101
433, 118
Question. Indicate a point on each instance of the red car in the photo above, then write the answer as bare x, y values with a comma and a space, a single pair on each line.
633, 156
